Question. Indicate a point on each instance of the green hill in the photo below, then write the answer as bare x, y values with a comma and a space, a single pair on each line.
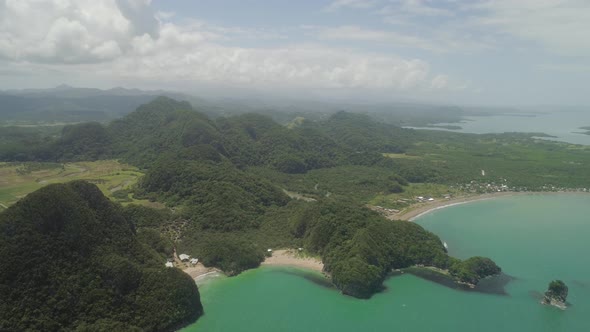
72, 261
225, 180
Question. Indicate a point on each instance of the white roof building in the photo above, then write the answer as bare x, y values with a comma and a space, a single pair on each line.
194, 261
169, 264
184, 257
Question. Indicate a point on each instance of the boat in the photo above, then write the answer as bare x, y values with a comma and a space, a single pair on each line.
445, 245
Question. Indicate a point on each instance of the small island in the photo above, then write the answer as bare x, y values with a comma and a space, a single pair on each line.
556, 295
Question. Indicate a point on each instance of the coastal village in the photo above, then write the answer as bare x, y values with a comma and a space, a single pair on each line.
407, 208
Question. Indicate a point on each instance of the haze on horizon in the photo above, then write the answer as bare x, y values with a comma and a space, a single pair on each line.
486, 52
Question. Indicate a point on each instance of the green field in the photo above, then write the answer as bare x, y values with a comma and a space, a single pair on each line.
113, 178
408, 196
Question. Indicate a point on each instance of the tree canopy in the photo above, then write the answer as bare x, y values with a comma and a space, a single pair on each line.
73, 261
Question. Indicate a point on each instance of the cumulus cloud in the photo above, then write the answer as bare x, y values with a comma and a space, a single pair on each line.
298, 65
70, 31
140, 15
124, 39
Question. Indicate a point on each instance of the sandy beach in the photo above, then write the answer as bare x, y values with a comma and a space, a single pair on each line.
282, 257
199, 270
289, 258
422, 208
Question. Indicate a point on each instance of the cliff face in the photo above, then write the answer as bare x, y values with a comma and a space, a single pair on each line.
70, 260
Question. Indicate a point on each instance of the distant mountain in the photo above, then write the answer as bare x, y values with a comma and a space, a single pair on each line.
69, 104
286, 109
72, 261
67, 91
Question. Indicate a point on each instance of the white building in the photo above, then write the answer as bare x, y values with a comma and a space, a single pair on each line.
184, 257
194, 261
169, 264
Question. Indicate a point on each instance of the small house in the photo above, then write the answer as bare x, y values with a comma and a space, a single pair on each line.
169, 264
184, 257
194, 261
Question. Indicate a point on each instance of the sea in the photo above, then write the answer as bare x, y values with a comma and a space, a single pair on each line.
534, 238
563, 124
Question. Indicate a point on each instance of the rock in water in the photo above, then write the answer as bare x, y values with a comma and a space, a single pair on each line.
556, 295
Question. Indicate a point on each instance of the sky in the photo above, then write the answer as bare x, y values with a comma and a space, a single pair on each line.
482, 52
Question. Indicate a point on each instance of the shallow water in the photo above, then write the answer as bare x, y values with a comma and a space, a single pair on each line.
533, 238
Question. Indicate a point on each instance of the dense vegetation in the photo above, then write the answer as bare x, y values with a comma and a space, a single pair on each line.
340, 140
473, 269
71, 260
557, 291
360, 248
228, 182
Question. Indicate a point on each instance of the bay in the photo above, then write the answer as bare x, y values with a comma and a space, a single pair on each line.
534, 238
564, 125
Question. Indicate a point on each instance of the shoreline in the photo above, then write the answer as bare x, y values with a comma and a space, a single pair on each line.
281, 257
200, 270
289, 258
421, 209
425, 208
292, 258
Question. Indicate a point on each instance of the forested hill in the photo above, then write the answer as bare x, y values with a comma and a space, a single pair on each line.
72, 261
231, 181
168, 126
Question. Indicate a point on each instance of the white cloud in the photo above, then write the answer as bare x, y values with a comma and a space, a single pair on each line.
299, 66
72, 31
123, 40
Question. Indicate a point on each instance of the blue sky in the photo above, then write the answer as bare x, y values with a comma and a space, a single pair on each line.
486, 52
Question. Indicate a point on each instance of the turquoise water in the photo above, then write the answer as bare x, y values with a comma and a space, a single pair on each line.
534, 238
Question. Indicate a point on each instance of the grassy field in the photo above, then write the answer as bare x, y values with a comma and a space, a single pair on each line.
408, 197
113, 178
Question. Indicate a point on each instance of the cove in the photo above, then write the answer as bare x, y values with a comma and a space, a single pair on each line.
534, 238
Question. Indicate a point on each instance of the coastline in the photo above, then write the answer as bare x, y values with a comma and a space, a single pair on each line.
292, 258
200, 270
281, 257
417, 210
289, 257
